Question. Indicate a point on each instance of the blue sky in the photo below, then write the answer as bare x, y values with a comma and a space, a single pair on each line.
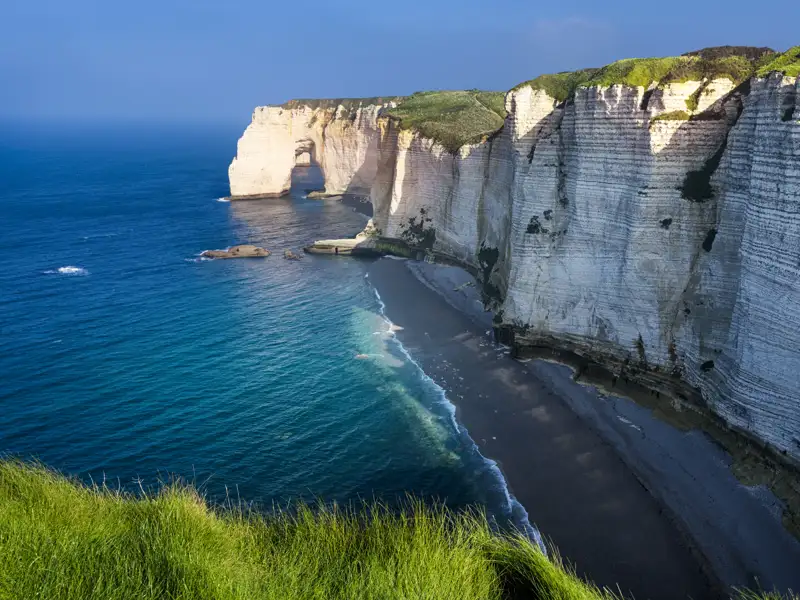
213, 60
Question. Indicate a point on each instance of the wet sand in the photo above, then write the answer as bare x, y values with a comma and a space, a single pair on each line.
629, 500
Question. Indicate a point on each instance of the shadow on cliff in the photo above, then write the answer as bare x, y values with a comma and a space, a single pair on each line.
357, 194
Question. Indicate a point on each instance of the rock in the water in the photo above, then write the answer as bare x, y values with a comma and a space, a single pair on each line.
240, 251
292, 255
321, 195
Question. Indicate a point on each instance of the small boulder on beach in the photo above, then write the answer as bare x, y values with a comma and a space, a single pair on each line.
240, 251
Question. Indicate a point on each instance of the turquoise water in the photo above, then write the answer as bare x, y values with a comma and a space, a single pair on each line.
124, 356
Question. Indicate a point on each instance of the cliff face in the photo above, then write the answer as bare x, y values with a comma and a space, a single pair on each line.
656, 230
419, 181
742, 338
603, 240
341, 138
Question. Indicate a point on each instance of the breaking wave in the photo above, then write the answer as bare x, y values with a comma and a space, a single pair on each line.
68, 270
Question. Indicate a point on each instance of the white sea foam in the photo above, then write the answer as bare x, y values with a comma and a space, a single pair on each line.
513, 506
86, 238
223, 199
628, 423
197, 259
68, 270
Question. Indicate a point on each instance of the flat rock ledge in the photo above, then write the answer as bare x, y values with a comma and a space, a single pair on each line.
240, 251
346, 247
321, 195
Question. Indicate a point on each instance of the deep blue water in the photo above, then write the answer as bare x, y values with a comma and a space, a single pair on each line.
124, 356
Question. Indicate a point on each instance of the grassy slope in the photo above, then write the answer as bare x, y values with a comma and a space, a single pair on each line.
452, 118
61, 540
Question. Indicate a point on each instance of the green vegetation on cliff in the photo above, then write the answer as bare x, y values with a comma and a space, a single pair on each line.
787, 63
736, 63
560, 86
452, 118
62, 540
348, 103
634, 71
675, 115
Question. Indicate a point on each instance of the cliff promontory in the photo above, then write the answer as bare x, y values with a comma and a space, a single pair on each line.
644, 215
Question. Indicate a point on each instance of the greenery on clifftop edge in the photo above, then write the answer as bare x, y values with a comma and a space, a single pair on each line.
62, 540
560, 85
348, 103
452, 118
736, 63
787, 63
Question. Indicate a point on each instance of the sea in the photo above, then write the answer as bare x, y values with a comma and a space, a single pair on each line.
126, 358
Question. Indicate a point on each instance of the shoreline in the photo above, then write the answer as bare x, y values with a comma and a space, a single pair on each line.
626, 498
515, 511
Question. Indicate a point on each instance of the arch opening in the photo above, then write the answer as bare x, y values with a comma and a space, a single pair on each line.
307, 175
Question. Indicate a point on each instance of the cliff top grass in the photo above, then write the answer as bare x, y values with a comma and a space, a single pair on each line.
62, 540
560, 86
452, 118
348, 103
787, 63
736, 63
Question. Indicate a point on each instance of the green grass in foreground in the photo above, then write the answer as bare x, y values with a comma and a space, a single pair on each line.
452, 118
63, 540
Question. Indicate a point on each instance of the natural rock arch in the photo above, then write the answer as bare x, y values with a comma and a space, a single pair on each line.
342, 141
305, 153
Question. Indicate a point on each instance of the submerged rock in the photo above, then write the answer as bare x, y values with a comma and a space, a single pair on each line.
291, 255
240, 251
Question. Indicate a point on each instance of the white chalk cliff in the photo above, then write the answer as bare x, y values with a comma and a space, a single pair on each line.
668, 248
341, 138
